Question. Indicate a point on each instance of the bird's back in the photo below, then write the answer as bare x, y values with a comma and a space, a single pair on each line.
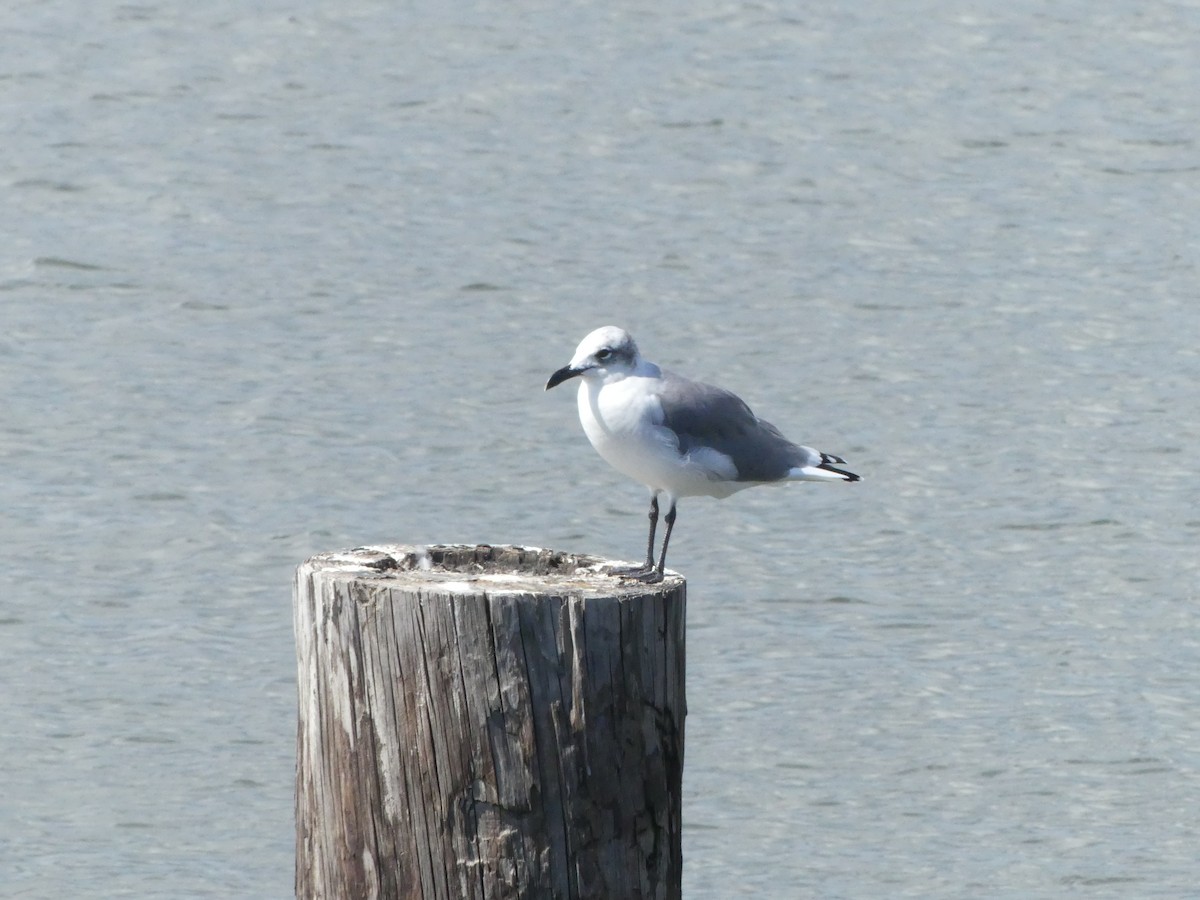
709, 417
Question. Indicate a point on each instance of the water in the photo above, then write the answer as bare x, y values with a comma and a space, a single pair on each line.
287, 280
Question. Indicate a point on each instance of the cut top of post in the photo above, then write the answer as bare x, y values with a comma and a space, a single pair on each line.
484, 568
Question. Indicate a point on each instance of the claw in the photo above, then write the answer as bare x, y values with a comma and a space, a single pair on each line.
637, 572
652, 577
644, 574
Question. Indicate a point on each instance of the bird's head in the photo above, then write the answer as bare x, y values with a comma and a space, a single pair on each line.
603, 354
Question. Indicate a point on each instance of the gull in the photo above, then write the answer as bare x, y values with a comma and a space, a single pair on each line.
678, 437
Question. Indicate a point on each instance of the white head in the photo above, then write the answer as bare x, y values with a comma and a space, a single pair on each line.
606, 353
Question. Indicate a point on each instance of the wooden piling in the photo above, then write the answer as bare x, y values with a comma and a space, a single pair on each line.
487, 722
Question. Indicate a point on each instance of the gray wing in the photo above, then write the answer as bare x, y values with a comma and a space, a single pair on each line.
706, 416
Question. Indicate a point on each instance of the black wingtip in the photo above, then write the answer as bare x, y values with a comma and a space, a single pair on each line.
849, 476
827, 463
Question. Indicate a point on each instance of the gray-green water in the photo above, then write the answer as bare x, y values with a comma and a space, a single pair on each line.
289, 278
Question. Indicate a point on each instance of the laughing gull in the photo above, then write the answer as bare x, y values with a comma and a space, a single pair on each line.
678, 437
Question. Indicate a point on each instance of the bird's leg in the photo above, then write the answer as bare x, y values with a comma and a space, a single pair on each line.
669, 518
646, 568
654, 574
653, 527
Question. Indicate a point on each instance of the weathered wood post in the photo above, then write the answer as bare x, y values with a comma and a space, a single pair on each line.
487, 722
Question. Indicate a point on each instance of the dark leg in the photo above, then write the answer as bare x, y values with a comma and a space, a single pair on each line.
647, 568
669, 518
653, 528
654, 574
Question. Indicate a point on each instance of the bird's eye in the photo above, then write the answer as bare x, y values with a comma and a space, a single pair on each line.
604, 354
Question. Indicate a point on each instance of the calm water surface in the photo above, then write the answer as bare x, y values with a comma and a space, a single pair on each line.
286, 280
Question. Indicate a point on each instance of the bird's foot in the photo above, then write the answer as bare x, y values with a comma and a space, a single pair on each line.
644, 574
647, 574
652, 577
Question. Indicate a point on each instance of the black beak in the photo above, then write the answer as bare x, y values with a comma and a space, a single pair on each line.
562, 375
